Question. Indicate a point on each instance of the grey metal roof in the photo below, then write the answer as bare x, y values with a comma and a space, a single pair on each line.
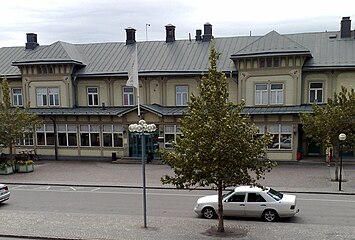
58, 52
181, 56
272, 44
278, 110
161, 110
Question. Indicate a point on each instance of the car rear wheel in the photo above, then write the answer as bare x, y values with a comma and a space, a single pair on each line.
270, 215
208, 213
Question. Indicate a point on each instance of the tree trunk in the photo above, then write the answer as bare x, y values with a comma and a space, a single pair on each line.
220, 208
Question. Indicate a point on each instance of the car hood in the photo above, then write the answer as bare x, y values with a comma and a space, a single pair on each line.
288, 198
208, 199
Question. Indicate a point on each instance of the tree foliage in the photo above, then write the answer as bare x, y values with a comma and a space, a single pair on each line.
14, 122
327, 121
220, 147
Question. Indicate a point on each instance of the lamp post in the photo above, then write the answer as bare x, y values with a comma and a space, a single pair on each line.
141, 128
342, 137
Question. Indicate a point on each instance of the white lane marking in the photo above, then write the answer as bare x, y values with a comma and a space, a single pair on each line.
95, 189
326, 200
72, 188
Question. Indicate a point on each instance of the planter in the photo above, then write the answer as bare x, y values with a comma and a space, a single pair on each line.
25, 168
7, 170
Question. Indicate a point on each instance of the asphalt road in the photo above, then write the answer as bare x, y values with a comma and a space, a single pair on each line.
315, 209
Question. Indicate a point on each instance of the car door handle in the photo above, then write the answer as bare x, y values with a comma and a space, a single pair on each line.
242, 205
263, 205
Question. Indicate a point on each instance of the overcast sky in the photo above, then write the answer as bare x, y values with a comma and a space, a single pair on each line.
89, 21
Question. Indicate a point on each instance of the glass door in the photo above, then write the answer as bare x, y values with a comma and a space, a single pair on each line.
135, 143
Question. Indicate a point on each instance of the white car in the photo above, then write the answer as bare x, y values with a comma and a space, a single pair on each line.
250, 201
4, 193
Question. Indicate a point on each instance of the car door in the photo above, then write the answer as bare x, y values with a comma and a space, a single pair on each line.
255, 205
234, 205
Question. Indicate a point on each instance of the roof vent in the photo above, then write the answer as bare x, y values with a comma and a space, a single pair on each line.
207, 36
130, 36
198, 35
345, 27
170, 33
31, 41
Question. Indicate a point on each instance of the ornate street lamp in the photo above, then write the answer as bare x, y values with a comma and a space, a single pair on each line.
342, 137
141, 128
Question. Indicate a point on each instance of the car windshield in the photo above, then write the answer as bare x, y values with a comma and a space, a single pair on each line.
275, 194
227, 194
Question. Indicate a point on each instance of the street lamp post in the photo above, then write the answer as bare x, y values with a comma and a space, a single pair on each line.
342, 137
141, 128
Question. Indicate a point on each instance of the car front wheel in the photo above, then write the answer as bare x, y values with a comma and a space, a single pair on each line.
270, 215
208, 213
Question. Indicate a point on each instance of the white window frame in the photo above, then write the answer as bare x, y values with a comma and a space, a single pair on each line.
182, 95
17, 98
281, 130
46, 129
113, 131
90, 129
93, 97
316, 90
67, 129
128, 93
47, 96
269, 95
171, 130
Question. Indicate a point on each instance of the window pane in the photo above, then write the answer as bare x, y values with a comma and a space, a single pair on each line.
261, 87
286, 141
316, 85
107, 128
62, 139
92, 90
84, 139
72, 139
118, 140
40, 138
50, 138
107, 139
276, 86
71, 128
95, 139
169, 140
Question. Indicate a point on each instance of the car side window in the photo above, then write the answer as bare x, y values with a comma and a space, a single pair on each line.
237, 197
255, 197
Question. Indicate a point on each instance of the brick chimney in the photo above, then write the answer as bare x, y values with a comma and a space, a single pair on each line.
198, 35
130, 36
207, 36
345, 27
31, 41
170, 33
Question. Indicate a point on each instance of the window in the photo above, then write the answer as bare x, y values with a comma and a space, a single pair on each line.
255, 197
67, 135
266, 94
26, 140
47, 96
93, 96
171, 132
237, 197
316, 92
45, 135
128, 96
17, 97
282, 136
89, 135
181, 95
112, 135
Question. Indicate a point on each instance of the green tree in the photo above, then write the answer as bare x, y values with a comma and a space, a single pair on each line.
14, 122
220, 147
327, 121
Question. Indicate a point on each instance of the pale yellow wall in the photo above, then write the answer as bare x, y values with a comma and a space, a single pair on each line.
171, 85
64, 93
155, 92
286, 155
233, 90
346, 79
100, 84
287, 80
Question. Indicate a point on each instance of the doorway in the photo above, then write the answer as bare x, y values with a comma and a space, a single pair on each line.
150, 143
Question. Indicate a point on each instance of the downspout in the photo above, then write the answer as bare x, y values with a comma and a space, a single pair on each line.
55, 139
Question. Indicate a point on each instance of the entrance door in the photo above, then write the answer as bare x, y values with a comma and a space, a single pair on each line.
135, 143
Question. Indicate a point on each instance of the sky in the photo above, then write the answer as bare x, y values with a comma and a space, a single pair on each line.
92, 21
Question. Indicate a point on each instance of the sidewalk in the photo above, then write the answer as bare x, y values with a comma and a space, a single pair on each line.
308, 176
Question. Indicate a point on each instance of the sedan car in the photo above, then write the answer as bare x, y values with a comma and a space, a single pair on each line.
4, 193
250, 201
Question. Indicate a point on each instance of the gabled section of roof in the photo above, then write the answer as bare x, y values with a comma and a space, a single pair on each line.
58, 52
272, 44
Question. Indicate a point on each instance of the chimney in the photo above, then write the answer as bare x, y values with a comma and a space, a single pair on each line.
31, 41
207, 36
345, 27
198, 35
130, 36
170, 33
